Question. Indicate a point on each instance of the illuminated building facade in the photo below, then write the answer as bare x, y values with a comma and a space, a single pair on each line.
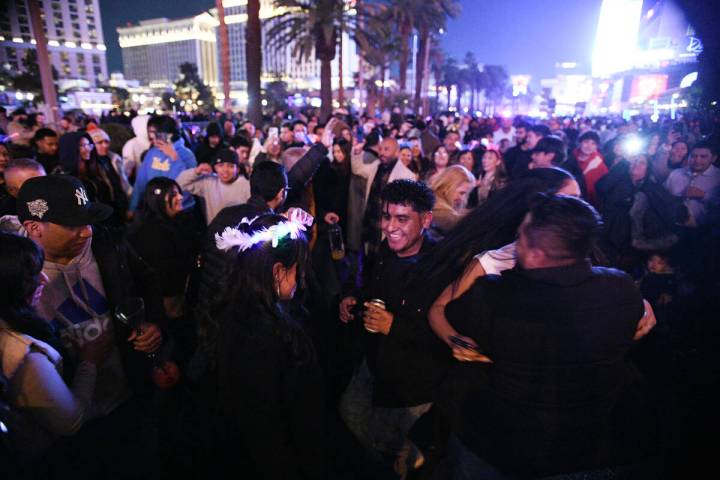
153, 51
74, 33
645, 57
278, 63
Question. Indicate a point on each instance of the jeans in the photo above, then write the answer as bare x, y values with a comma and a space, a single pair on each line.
380, 430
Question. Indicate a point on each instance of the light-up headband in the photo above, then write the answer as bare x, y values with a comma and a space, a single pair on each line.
233, 237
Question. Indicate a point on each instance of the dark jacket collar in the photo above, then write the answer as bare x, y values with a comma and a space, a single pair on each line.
561, 276
259, 203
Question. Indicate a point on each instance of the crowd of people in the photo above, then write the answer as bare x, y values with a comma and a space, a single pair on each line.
373, 296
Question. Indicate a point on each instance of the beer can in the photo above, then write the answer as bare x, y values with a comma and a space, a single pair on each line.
376, 302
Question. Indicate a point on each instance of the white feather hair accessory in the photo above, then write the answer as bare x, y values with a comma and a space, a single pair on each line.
233, 237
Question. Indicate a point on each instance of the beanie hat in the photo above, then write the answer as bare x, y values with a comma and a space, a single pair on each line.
97, 134
213, 129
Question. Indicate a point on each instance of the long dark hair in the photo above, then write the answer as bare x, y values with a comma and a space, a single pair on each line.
21, 261
346, 148
251, 293
491, 225
155, 199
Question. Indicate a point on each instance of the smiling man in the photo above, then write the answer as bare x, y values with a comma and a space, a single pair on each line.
394, 386
220, 185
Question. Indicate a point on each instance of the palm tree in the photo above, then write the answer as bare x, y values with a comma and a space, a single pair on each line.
313, 27
224, 56
436, 59
450, 75
497, 83
431, 16
382, 51
402, 14
253, 56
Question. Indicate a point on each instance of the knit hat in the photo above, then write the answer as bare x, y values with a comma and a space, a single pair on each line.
225, 156
590, 135
97, 134
213, 129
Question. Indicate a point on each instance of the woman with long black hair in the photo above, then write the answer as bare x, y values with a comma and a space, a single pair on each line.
102, 182
269, 382
30, 360
165, 238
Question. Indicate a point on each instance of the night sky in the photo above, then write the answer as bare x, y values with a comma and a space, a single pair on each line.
527, 36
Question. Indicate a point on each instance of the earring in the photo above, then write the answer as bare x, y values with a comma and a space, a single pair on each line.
277, 289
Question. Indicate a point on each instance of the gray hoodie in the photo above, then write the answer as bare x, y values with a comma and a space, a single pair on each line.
74, 302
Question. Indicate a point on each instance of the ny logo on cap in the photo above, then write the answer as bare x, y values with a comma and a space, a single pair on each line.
81, 196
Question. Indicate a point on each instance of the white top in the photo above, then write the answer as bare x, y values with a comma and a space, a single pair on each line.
217, 195
496, 261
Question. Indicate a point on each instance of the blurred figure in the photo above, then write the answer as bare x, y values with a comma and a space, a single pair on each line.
698, 183
505, 132
101, 140
218, 183
440, 160
493, 177
588, 160
32, 364
211, 144
15, 174
46, 145
134, 148
452, 189
167, 158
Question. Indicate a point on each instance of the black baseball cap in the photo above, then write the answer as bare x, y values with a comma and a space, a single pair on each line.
59, 199
225, 156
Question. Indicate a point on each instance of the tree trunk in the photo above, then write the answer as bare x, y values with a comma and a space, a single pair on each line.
420, 68
43, 59
360, 87
325, 89
253, 54
449, 95
224, 56
458, 98
325, 46
405, 31
426, 77
341, 86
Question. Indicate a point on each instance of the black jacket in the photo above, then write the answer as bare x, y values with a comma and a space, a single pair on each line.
170, 248
271, 398
125, 275
559, 396
407, 364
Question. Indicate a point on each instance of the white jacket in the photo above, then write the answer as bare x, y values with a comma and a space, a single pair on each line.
133, 149
369, 170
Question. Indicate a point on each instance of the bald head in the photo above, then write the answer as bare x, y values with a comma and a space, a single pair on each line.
389, 149
18, 171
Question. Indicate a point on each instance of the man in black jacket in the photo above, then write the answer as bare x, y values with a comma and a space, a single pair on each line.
395, 383
558, 397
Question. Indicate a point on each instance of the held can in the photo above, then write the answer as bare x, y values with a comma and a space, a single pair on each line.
378, 303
